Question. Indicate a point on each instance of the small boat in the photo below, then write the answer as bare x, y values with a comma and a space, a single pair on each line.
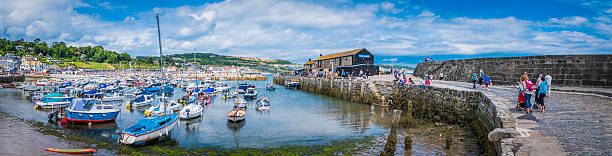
231, 94
32, 88
71, 151
157, 110
90, 110
191, 111
204, 100
251, 93
292, 84
240, 103
270, 87
222, 87
236, 115
112, 97
142, 100
53, 101
149, 128
263, 104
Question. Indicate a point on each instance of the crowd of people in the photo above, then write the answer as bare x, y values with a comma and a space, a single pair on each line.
527, 89
339, 74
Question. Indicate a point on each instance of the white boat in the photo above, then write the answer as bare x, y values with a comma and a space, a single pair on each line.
231, 94
148, 129
262, 105
222, 87
251, 93
142, 100
53, 102
191, 111
112, 97
158, 110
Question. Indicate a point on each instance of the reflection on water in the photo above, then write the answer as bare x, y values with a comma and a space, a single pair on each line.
295, 118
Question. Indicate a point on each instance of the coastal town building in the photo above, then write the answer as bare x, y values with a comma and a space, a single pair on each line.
351, 62
9, 62
29, 63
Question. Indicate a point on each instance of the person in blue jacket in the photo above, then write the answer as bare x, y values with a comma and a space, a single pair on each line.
542, 93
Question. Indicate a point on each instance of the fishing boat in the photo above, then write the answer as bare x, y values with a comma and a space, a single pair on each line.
251, 93
222, 87
236, 115
292, 84
148, 129
191, 111
142, 100
157, 110
90, 110
53, 101
71, 151
263, 104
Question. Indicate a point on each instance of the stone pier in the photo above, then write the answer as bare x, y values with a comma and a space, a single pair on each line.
446, 104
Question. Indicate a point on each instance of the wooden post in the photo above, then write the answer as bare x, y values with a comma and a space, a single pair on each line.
392, 139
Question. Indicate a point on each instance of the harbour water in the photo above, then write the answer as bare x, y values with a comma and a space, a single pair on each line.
296, 118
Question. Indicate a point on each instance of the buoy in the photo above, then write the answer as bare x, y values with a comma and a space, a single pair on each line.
148, 138
36, 106
128, 105
146, 113
89, 124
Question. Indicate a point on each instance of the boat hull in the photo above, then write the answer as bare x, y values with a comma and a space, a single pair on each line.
91, 117
127, 138
52, 105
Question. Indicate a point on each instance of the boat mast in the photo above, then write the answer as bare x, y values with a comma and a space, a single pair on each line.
161, 62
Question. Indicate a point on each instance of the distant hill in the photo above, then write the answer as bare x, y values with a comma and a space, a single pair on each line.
211, 59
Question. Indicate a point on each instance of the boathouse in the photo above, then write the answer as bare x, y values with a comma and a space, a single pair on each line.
351, 62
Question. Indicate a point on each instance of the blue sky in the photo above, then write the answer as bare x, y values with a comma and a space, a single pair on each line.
397, 32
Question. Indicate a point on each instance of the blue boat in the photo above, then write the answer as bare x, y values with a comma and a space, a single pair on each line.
168, 90
152, 89
90, 110
149, 128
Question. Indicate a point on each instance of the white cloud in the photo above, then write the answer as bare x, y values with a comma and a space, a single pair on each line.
299, 30
390, 60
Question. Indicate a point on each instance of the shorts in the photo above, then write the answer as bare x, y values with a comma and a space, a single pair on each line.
480, 81
486, 84
441, 78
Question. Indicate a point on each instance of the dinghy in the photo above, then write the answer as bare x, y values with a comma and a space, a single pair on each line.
71, 151
148, 129
263, 104
142, 100
157, 110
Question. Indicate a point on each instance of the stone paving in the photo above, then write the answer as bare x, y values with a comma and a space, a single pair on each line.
573, 123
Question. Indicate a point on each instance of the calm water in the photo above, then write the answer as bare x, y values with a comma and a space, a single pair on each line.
296, 118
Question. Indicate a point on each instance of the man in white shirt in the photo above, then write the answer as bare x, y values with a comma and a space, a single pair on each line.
548, 79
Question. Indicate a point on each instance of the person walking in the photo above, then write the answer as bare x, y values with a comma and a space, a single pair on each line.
537, 90
480, 78
441, 76
528, 93
474, 78
543, 91
548, 79
487, 80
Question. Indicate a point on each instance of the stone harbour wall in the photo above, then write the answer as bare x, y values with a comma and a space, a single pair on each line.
12, 78
566, 70
469, 108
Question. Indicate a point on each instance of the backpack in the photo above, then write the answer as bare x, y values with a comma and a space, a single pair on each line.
529, 85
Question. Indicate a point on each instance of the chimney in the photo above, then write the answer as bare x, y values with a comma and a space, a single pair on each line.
309, 59
320, 55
